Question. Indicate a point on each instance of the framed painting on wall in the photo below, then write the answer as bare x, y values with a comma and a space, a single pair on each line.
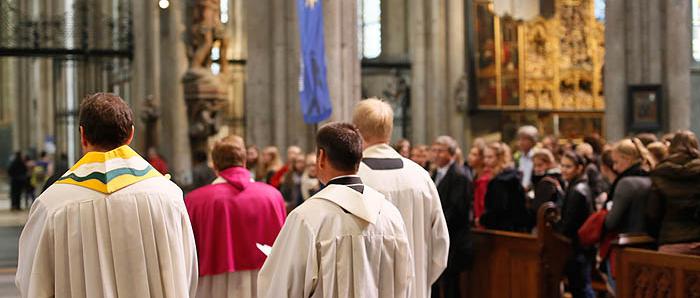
644, 104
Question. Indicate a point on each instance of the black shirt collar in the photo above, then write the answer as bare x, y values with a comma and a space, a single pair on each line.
353, 182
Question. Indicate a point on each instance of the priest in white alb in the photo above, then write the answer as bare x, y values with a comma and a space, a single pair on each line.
409, 187
112, 226
345, 241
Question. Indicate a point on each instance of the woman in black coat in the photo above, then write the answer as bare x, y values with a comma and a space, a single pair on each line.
546, 177
504, 203
577, 206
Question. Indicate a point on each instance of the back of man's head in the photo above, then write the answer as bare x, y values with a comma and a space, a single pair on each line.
229, 152
106, 120
375, 120
342, 144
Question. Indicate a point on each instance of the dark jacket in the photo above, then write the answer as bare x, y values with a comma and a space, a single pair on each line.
577, 206
455, 190
504, 203
17, 170
629, 196
675, 201
548, 188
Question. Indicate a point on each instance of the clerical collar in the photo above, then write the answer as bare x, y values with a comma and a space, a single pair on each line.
351, 181
382, 157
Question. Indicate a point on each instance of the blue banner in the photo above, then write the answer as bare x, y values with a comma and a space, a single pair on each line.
313, 86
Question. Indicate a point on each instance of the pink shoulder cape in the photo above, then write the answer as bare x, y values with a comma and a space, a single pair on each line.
229, 218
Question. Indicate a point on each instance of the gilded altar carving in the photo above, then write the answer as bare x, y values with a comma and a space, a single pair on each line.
564, 58
561, 59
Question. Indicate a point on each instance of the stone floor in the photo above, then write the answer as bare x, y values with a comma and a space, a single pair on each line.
10, 227
7, 284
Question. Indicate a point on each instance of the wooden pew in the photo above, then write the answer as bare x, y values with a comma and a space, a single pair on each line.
649, 273
519, 265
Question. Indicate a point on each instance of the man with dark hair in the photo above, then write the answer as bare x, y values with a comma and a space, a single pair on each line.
202, 174
111, 225
230, 218
346, 240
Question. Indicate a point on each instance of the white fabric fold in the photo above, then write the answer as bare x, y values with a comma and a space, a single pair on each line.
136, 242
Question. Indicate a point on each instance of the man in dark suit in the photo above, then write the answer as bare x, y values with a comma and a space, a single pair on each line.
455, 190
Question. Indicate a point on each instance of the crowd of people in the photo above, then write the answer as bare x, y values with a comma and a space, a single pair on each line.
640, 185
354, 217
31, 176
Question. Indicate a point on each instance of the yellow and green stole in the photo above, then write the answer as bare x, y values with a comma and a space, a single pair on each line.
109, 171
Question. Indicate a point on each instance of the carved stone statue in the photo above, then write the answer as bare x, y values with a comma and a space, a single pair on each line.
461, 95
150, 116
204, 92
205, 32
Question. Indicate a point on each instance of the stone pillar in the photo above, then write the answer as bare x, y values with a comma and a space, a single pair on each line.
615, 74
677, 63
272, 88
145, 66
394, 30
258, 101
456, 70
342, 57
647, 42
173, 67
438, 63
418, 33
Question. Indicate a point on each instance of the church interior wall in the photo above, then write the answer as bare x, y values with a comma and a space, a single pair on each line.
695, 100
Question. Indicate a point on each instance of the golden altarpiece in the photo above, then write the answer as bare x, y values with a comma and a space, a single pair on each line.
545, 71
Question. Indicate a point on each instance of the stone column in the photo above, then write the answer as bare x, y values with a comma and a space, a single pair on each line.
272, 87
258, 97
456, 69
677, 64
145, 66
647, 42
394, 30
418, 33
438, 55
173, 66
615, 74
343, 61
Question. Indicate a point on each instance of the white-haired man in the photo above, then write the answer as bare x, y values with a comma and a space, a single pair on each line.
409, 187
527, 139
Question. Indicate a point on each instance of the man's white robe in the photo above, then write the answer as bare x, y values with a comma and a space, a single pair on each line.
239, 284
409, 187
340, 243
134, 242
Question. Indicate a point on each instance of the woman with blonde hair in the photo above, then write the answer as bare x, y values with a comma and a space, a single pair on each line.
505, 197
629, 192
270, 164
547, 179
481, 176
627, 199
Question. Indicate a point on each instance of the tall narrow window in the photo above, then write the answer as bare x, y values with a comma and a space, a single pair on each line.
215, 56
599, 10
224, 11
370, 38
696, 30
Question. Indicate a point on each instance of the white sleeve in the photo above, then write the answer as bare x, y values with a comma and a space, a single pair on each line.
440, 241
35, 275
291, 270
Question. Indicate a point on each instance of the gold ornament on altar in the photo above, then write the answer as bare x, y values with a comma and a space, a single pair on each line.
559, 61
